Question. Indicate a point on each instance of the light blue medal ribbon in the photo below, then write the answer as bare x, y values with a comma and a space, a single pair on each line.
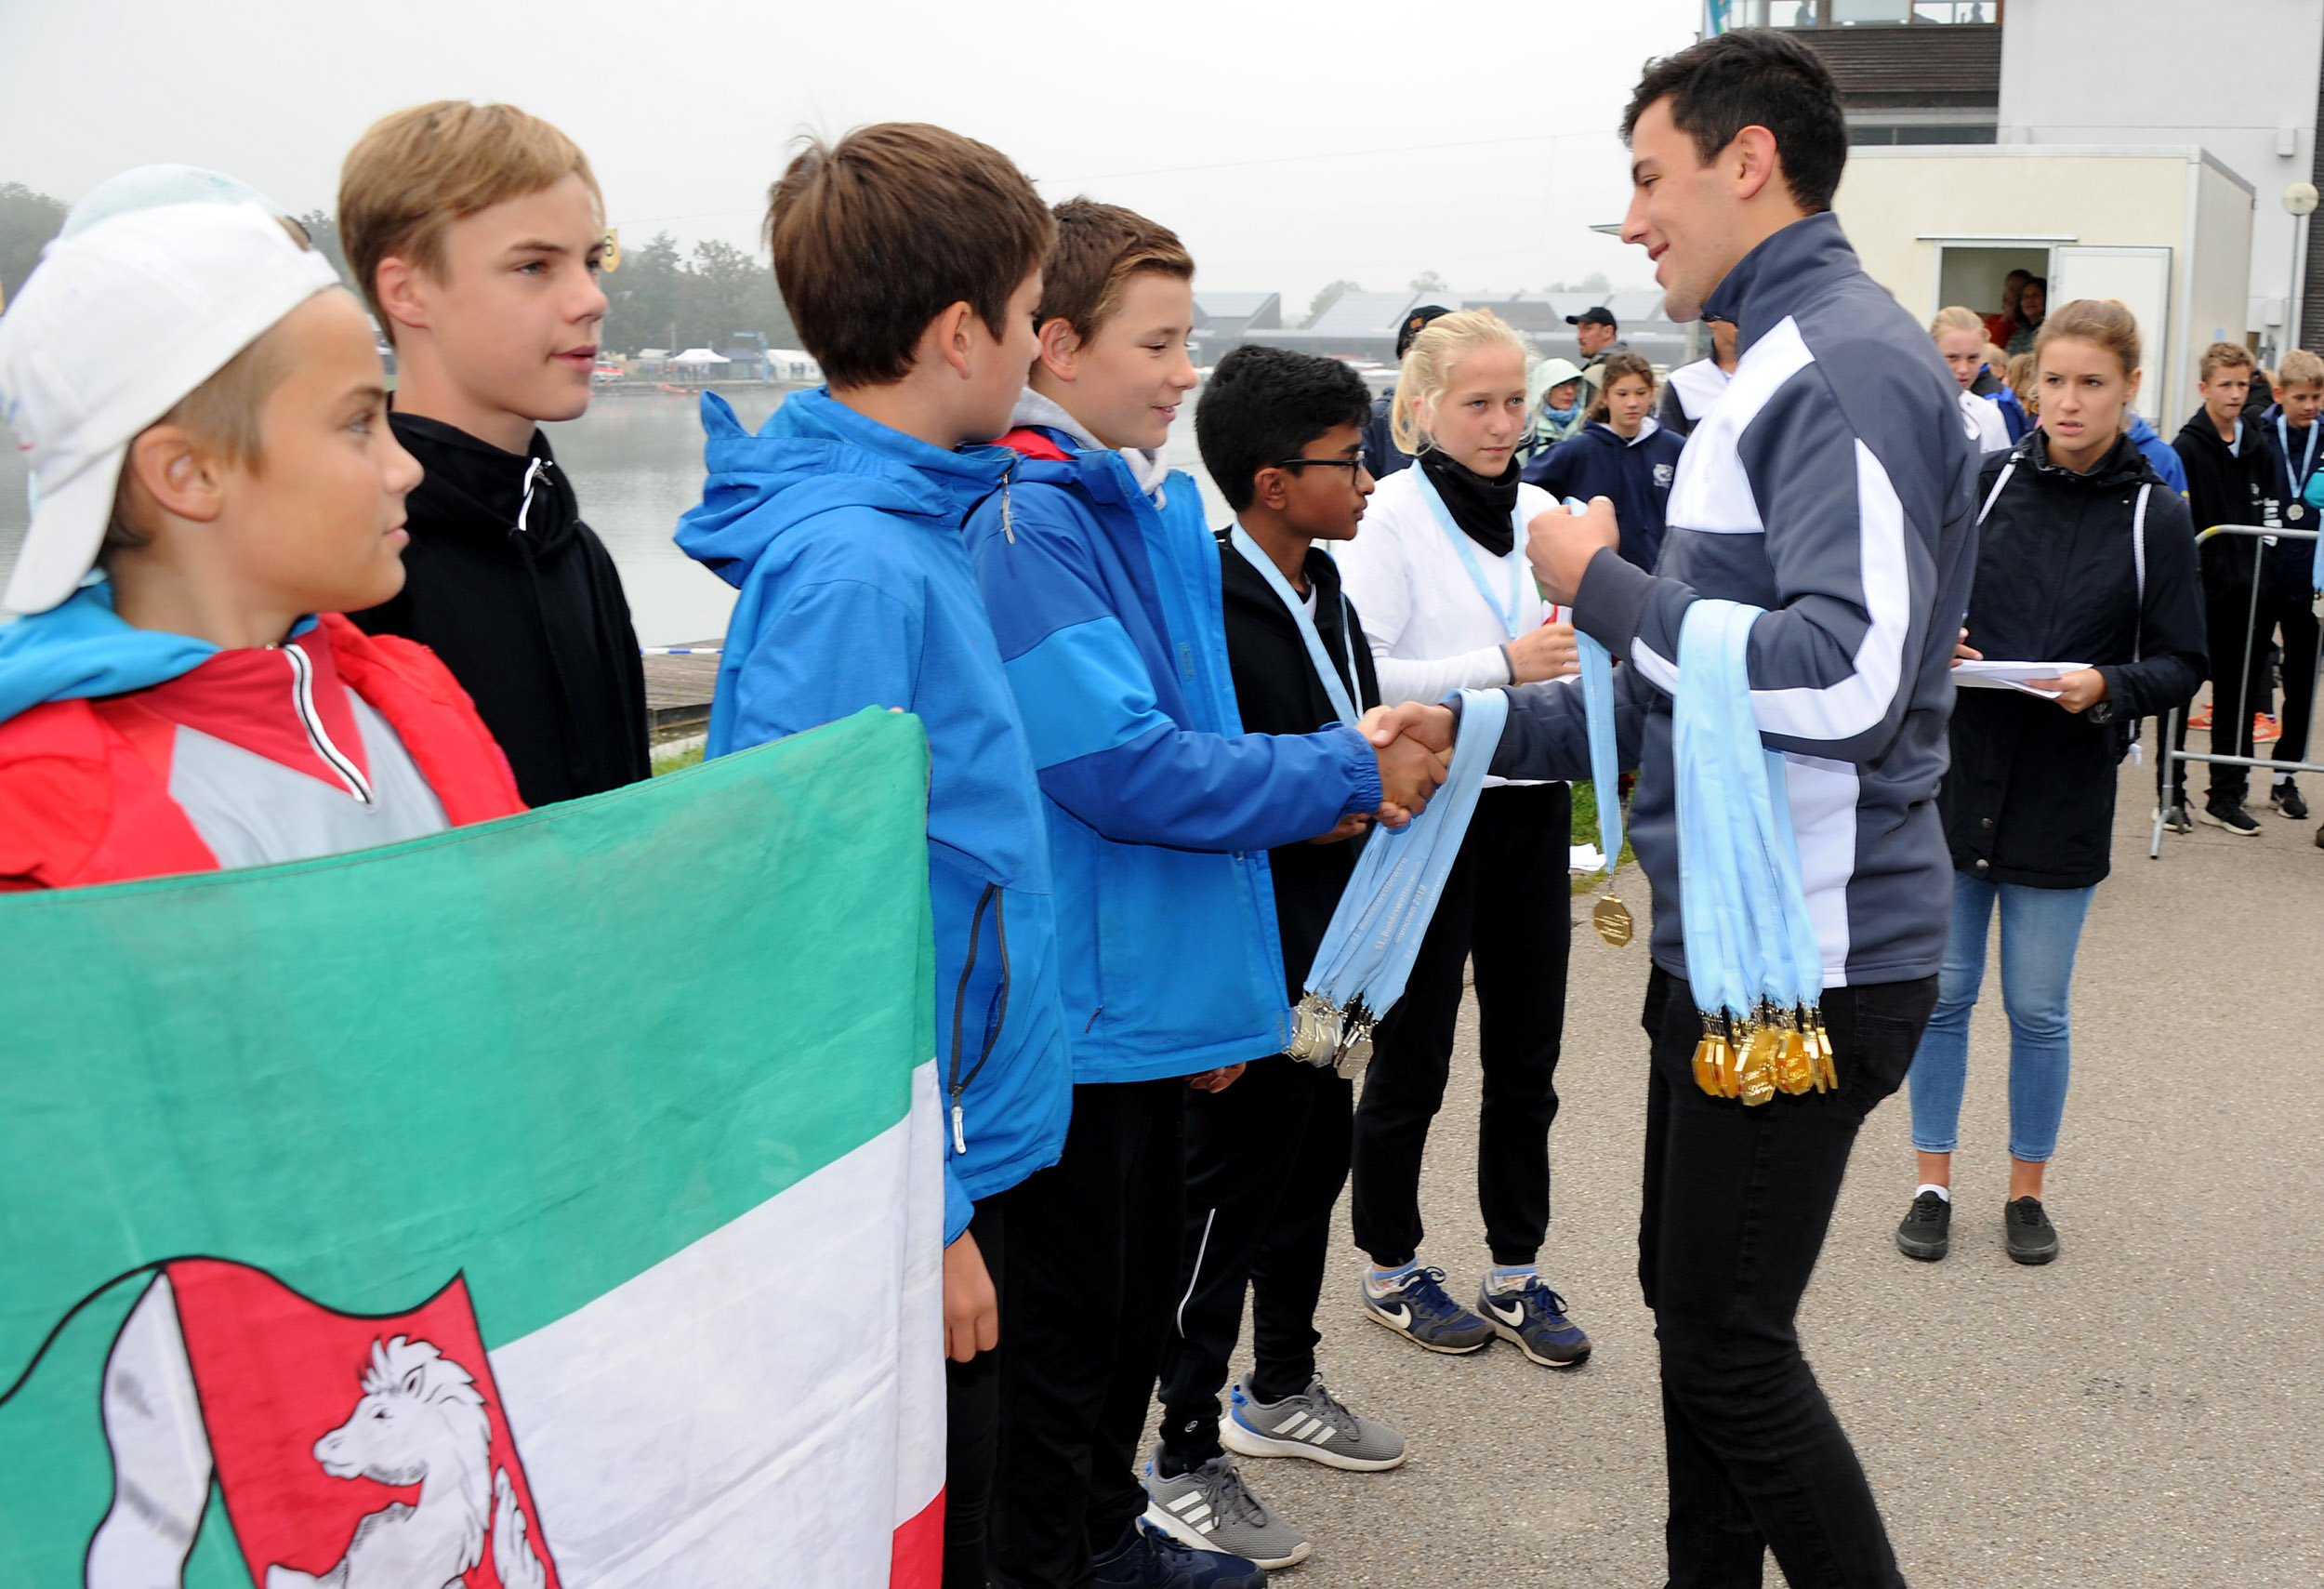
1334, 685
1752, 954
1609, 916
1367, 953
2305, 490
1510, 613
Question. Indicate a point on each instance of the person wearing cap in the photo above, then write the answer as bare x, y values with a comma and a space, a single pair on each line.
1689, 391
205, 418
1597, 335
1382, 457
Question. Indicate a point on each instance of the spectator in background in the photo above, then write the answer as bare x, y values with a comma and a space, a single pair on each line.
1558, 410
1623, 455
2033, 303
2287, 583
1382, 457
2261, 397
1691, 389
2232, 477
2019, 374
2081, 552
1999, 327
1960, 338
1597, 335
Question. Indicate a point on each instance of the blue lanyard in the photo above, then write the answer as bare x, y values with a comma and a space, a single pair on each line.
2307, 460
1513, 614
1367, 953
1750, 940
1597, 699
1333, 686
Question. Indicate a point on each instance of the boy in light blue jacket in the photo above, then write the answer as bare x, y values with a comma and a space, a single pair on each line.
910, 259
1103, 585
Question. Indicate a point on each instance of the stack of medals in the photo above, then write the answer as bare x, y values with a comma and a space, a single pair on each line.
1376, 930
1752, 961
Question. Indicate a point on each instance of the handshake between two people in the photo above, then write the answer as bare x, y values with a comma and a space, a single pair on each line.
1414, 739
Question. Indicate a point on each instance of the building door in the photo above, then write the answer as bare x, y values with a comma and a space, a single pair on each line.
2141, 279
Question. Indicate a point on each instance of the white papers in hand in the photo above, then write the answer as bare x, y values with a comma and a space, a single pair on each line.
1585, 858
1986, 674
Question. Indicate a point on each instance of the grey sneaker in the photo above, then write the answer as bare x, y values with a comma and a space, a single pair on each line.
1311, 1424
1210, 1509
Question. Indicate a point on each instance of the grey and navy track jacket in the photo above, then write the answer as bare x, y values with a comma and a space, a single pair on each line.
1833, 485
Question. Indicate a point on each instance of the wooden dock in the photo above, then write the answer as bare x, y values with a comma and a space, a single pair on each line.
678, 691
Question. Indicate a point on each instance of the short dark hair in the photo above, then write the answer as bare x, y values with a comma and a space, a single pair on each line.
1754, 77
1262, 404
1099, 248
875, 236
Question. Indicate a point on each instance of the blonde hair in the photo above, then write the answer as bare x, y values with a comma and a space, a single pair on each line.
1955, 318
2020, 377
415, 172
1428, 366
2300, 368
2104, 322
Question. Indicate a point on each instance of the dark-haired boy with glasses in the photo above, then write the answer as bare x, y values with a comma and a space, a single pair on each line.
1282, 434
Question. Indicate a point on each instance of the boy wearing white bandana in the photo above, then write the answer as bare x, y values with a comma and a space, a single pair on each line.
1832, 487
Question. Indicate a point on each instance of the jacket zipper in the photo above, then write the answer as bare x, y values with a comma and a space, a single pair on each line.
996, 1015
303, 702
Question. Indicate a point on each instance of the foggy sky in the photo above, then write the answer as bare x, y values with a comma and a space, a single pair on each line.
1287, 144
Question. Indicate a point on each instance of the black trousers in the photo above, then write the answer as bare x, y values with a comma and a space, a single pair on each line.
1265, 1160
1508, 905
972, 1420
2295, 622
1737, 1200
2237, 690
1092, 1266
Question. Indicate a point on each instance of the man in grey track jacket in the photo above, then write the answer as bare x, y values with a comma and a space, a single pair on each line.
1831, 485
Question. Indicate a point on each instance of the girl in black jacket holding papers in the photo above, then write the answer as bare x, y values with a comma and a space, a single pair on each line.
2085, 558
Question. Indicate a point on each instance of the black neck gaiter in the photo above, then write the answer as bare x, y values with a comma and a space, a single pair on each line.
1484, 508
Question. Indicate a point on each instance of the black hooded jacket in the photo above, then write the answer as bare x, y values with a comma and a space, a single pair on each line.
2225, 487
530, 619
2029, 796
1277, 692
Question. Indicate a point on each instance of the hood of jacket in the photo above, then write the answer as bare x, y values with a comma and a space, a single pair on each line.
482, 496
81, 649
2123, 465
2201, 434
1607, 435
1037, 412
816, 455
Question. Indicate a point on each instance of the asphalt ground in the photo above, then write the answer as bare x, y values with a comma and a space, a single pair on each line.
2147, 1410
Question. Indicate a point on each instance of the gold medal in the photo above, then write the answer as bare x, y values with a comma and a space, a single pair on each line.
1611, 918
1758, 1065
1314, 1032
1707, 1062
1795, 1064
1354, 1051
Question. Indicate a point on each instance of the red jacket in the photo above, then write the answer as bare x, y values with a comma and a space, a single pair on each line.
84, 784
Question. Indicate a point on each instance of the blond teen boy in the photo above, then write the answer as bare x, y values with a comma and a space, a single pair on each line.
1103, 585
206, 421
910, 260
474, 232
2288, 582
2233, 476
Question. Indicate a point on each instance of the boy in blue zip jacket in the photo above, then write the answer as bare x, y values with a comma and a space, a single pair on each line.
1102, 582
910, 260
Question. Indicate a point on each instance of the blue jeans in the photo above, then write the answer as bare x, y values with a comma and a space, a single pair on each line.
2040, 929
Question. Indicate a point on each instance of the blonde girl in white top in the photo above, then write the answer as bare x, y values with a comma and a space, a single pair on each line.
1439, 579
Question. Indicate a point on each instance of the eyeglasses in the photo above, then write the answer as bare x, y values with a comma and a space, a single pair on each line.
1351, 465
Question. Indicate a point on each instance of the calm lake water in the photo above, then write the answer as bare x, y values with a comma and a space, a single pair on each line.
636, 460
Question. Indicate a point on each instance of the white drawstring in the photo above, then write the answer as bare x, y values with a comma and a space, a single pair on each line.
525, 509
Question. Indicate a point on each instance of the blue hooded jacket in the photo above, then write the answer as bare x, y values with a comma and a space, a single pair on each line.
2160, 455
80, 650
1161, 808
844, 537
1636, 474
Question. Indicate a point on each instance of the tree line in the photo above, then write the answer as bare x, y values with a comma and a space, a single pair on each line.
717, 297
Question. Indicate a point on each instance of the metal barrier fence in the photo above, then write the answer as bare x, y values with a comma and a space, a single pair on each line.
2171, 759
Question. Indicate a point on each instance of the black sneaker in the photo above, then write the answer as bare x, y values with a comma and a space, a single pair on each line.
2176, 820
2032, 1238
2319, 838
1148, 1558
2287, 802
2224, 811
1927, 1232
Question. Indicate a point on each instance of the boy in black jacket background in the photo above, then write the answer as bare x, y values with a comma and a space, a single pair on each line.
2231, 472
474, 232
1282, 433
